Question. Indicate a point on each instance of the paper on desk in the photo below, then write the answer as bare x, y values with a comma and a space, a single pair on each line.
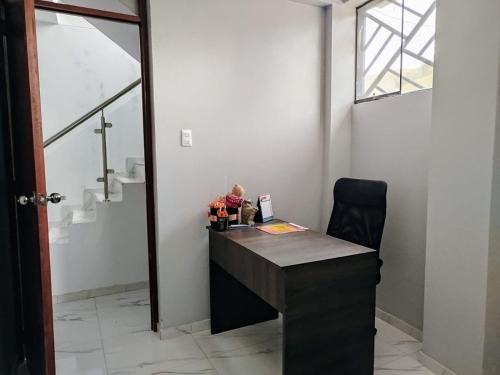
282, 228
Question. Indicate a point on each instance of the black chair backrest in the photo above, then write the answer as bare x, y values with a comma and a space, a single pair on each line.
359, 211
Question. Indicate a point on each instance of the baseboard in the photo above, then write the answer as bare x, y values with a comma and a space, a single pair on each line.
90, 293
171, 332
433, 365
399, 324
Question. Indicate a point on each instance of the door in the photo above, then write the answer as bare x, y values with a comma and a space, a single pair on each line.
19, 44
11, 353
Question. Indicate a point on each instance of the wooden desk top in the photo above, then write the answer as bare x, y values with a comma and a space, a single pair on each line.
285, 250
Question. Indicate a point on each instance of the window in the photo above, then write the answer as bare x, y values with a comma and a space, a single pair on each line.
395, 47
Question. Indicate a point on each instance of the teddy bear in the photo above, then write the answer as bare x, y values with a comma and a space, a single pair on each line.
233, 202
248, 212
235, 197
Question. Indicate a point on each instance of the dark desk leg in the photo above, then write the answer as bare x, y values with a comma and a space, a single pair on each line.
232, 305
329, 318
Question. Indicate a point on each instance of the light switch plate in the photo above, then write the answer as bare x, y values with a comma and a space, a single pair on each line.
186, 138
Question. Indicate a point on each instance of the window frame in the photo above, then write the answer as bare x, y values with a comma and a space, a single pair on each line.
387, 95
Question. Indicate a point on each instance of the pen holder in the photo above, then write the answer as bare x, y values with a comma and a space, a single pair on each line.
220, 225
233, 215
213, 218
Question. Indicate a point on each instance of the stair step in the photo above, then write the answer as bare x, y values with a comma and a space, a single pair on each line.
139, 170
129, 180
58, 235
59, 232
82, 216
112, 197
131, 162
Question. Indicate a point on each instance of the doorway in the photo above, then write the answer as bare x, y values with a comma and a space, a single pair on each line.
91, 105
85, 234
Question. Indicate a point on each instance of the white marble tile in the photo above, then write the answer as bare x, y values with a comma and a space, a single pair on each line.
214, 345
393, 336
193, 367
124, 313
264, 358
385, 353
200, 326
172, 332
82, 306
402, 366
130, 341
75, 324
119, 322
145, 353
196, 367
114, 330
83, 359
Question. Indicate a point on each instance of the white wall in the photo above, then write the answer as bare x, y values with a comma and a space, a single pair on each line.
125, 35
491, 363
390, 142
80, 68
245, 75
110, 251
465, 101
338, 98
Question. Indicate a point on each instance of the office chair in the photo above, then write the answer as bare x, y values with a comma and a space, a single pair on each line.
359, 213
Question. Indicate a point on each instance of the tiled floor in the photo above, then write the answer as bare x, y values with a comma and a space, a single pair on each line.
110, 335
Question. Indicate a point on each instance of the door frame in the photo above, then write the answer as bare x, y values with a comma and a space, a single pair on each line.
148, 127
28, 180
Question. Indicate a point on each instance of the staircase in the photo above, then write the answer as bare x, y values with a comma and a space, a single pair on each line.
98, 234
93, 199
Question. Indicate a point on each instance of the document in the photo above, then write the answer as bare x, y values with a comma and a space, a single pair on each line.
282, 228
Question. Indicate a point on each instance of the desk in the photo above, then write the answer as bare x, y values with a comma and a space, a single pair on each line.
325, 288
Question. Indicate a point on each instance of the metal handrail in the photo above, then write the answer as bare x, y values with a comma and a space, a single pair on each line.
105, 170
91, 113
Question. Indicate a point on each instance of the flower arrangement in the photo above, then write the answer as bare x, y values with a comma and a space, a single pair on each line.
218, 203
222, 213
224, 210
217, 214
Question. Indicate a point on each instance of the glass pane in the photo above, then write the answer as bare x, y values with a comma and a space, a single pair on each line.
117, 6
82, 63
379, 48
125, 138
418, 56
